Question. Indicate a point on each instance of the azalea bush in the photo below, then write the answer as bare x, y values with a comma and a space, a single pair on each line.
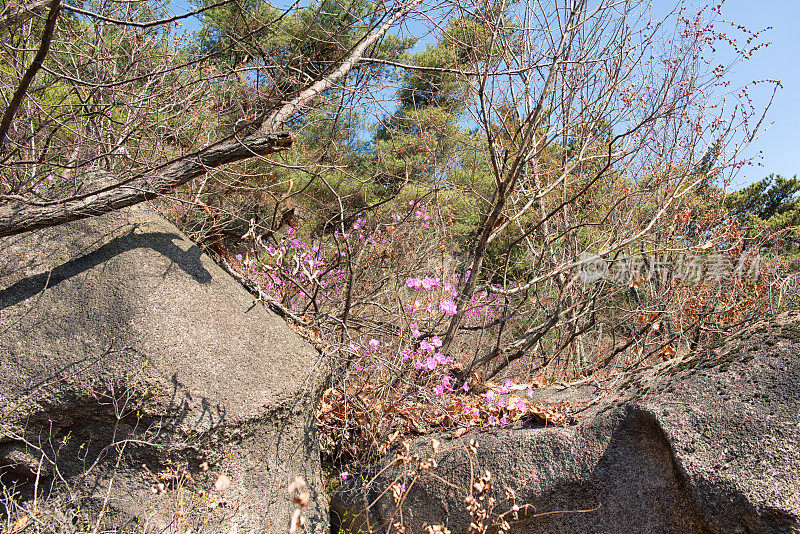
388, 273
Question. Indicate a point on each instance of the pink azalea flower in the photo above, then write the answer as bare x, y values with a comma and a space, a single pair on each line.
418, 365
436, 342
529, 393
446, 381
414, 283
430, 363
429, 283
438, 389
489, 395
374, 343
414, 330
345, 475
503, 420
448, 307
426, 346
521, 406
501, 402
465, 387
239, 257
492, 420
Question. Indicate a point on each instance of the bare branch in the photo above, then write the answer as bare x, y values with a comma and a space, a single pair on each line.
27, 78
19, 217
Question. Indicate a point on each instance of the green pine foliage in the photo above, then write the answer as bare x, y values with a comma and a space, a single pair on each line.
771, 204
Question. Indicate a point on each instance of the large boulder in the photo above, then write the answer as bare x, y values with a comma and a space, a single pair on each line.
709, 443
137, 374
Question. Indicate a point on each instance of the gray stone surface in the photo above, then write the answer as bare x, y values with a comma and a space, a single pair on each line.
709, 444
128, 354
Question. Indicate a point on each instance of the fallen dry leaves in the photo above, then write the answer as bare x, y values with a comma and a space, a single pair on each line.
365, 415
18, 525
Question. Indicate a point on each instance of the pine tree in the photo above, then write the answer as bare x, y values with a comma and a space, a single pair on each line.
772, 203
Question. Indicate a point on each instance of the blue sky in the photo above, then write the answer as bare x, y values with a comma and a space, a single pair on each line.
779, 146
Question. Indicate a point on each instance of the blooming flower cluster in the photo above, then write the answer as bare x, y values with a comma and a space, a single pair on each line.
448, 307
426, 283
293, 270
418, 212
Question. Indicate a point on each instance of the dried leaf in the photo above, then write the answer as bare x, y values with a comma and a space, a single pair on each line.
458, 432
416, 426
18, 525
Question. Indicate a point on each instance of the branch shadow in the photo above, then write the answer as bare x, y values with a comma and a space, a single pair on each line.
162, 242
